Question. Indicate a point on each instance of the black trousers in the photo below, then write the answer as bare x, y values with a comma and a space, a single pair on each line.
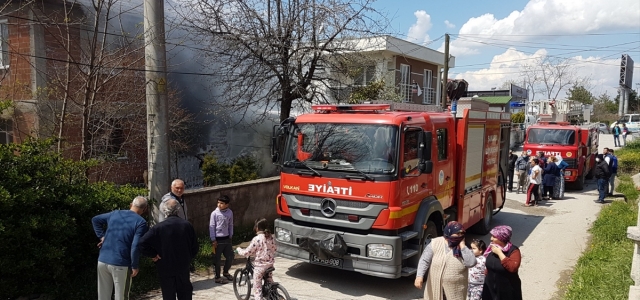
510, 177
224, 248
176, 286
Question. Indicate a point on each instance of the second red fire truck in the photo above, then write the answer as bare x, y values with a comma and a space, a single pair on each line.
384, 179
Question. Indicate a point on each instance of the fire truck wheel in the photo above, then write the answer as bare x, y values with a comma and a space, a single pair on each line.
430, 233
579, 183
484, 226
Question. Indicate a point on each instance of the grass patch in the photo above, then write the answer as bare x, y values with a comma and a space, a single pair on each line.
604, 270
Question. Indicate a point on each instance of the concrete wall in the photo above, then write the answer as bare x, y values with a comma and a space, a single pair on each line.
249, 200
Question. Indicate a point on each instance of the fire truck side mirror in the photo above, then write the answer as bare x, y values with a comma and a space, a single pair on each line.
427, 141
426, 167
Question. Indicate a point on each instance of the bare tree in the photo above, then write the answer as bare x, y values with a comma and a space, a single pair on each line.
92, 96
549, 76
272, 54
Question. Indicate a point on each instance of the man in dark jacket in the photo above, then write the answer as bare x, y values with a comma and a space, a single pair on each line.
172, 244
512, 169
602, 174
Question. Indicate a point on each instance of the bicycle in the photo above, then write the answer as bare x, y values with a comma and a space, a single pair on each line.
270, 290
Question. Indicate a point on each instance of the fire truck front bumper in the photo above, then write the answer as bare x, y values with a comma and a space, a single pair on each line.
370, 254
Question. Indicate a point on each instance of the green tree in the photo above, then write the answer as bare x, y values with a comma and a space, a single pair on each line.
242, 168
46, 204
580, 93
517, 117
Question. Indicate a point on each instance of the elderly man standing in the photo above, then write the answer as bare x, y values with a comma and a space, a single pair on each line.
177, 189
172, 244
118, 259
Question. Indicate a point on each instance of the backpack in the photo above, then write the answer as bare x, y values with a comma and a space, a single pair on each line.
613, 164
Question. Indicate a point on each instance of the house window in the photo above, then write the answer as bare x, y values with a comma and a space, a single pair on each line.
4, 45
428, 93
107, 138
442, 143
6, 132
405, 85
363, 75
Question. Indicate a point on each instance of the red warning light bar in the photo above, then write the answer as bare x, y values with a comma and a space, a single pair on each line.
355, 107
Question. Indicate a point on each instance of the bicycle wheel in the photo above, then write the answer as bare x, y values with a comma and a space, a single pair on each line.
242, 284
279, 293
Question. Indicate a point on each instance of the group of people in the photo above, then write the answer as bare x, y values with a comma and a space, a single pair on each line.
172, 244
457, 272
605, 173
617, 132
545, 176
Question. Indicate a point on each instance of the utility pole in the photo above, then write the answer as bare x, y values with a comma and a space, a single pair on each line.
157, 111
445, 73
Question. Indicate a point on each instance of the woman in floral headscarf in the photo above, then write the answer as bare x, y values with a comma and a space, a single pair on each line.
447, 259
503, 260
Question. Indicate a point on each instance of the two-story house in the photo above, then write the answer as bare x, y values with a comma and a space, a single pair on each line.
61, 84
411, 73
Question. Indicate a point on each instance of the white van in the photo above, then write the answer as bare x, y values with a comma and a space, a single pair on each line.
632, 121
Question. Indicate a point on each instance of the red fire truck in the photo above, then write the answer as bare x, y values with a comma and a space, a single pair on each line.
577, 145
386, 178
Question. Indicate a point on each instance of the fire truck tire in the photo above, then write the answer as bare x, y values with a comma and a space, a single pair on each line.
484, 226
579, 183
430, 233
590, 174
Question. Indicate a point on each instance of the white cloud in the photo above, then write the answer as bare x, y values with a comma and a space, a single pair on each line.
418, 31
548, 17
449, 24
602, 74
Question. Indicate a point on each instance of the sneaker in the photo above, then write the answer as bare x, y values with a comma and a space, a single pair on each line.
221, 280
228, 276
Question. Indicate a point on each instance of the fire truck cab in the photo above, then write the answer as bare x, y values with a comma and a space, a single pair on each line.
577, 145
386, 181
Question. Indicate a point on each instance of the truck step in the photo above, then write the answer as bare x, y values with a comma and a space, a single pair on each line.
406, 253
408, 271
407, 235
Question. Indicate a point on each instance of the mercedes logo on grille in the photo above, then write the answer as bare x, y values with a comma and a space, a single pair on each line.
328, 207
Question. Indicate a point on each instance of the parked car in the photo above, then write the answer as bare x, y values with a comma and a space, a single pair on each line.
603, 128
632, 121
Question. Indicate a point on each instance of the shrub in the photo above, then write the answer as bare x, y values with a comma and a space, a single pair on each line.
629, 158
47, 203
242, 168
517, 117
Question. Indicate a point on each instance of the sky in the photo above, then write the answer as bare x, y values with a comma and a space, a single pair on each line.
492, 40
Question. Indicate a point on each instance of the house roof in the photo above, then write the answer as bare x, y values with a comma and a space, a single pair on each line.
401, 47
497, 99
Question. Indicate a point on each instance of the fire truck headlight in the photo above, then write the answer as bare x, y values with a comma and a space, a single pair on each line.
283, 235
380, 251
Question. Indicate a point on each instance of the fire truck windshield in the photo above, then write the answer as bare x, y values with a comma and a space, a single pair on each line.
551, 136
361, 148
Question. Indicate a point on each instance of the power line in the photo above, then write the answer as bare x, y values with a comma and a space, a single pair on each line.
535, 35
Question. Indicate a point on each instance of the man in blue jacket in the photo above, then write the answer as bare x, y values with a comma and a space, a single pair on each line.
118, 259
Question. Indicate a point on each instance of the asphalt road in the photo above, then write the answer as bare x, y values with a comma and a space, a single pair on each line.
551, 237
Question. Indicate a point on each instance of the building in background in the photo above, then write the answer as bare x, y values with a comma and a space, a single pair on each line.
512, 100
410, 72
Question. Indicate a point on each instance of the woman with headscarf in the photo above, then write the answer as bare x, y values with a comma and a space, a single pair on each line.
447, 258
503, 260
558, 188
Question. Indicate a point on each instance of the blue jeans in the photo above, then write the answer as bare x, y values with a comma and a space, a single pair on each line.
616, 140
611, 185
602, 188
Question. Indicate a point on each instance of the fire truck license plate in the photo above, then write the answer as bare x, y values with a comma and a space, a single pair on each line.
331, 262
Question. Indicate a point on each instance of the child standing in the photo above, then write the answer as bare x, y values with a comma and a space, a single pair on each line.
221, 232
477, 273
263, 247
